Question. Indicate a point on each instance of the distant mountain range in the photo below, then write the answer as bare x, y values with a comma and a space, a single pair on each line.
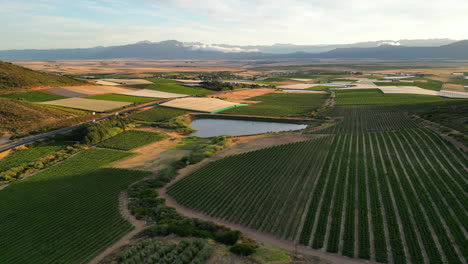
172, 49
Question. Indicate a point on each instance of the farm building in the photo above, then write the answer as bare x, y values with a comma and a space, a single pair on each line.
458, 74
208, 105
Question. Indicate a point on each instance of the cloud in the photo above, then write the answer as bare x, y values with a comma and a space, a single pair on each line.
208, 47
391, 43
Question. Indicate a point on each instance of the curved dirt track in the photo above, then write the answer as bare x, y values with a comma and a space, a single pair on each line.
259, 236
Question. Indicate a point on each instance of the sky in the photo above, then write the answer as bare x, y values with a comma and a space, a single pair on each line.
42, 24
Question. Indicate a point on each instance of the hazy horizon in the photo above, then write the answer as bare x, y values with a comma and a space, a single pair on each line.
48, 24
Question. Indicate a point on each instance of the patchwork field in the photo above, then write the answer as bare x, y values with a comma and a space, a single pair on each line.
51, 217
240, 95
281, 104
152, 93
63, 92
171, 86
131, 139
92, 90
88, 104
123, 81
209, 105
121, 98
297, 86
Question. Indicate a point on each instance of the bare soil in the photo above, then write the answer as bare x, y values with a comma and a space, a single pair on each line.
241, 95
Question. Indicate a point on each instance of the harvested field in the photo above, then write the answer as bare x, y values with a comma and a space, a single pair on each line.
301, 80
240, 95
63, 92
88, 104
95, 89
406, 90
102, 82
297, 86
152, 93
126, 81
122, 98
209, 105
453, 87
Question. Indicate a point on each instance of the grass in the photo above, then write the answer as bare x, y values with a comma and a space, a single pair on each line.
28, 155
271, 255
171, 86
281, 104
122, 98
33, 96
158, 114
67, 213
376, 97
131, 139
429, 85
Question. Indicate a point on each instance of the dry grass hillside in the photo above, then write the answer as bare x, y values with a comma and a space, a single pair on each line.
16, 78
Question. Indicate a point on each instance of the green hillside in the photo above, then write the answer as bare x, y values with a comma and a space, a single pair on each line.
16, 78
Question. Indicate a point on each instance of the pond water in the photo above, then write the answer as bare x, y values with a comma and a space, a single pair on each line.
219, 127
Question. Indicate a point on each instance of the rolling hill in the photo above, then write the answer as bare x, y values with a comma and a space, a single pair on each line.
15, 78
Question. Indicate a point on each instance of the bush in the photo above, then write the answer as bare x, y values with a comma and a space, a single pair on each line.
229, 238
242, 249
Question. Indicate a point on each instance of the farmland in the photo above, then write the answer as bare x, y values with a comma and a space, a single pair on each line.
375, 97
87, 104
158, 114
28, 155
122, 98
57, 209
131, 139
429, 84
281, 104
350, 188
171, 86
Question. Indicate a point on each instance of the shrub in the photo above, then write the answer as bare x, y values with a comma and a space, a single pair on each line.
242, 249
229, 238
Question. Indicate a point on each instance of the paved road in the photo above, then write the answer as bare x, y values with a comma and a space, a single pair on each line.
30, 139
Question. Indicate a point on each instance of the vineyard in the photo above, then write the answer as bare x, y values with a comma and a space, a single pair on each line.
369, 196
281, 104
51, 217
28, 155
131, 139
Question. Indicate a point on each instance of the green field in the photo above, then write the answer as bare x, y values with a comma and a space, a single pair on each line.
158, 114
281, 104
34, 96
28, 155
376, 97
430, 84
131, 139
122, 98
67, 213
171, 86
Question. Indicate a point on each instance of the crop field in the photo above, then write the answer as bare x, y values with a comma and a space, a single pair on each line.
28, 155
122, 98
89, 90
158, 114
429, 84
51, 217
88, 104
153, 93
376, 97
171, 86
198, 104
281, 104
382, 196
131, 139
33, 96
